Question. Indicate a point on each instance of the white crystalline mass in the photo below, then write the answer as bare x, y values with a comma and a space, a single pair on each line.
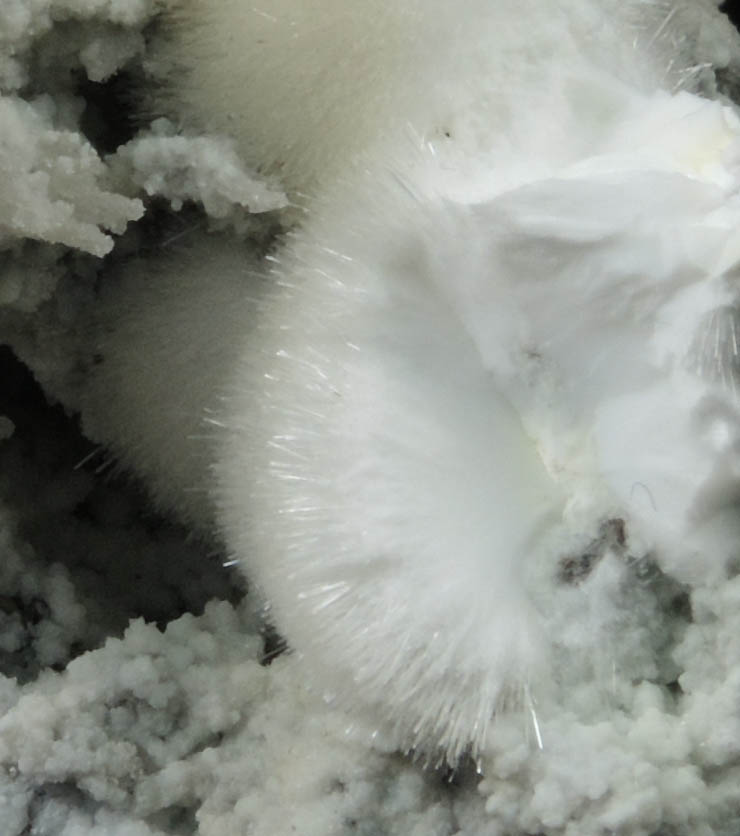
419, 476
182, 731
461, 365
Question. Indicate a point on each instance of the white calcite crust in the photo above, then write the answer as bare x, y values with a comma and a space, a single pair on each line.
52, 188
